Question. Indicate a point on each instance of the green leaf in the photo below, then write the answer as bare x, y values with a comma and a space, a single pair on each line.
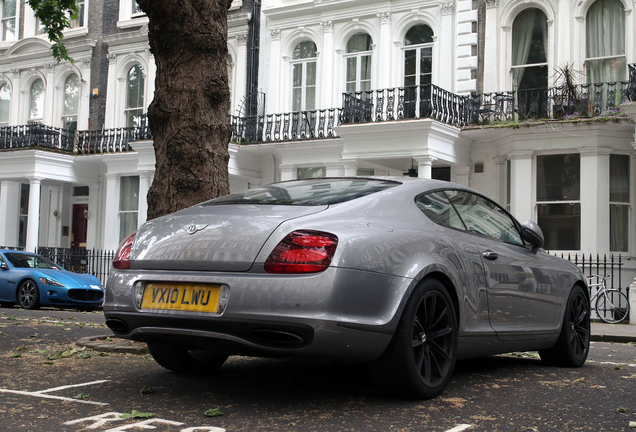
108, 339
618, 367
134, 414
16, 355
621, 410
147, 390
214, 412
82, 396
21, 348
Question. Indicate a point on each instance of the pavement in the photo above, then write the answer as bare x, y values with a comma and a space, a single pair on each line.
618, 333
601, 332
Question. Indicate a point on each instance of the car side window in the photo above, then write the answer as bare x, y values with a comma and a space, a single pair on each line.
437, 207
484, 217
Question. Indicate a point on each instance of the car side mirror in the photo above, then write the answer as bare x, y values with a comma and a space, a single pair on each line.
4, 266
531, 232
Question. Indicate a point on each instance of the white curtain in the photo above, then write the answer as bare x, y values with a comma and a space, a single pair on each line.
522, 30
605, 27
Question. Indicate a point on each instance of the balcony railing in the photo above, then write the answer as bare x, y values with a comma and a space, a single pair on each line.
285, 126
432, 102
585, 100
37, 135
410, 102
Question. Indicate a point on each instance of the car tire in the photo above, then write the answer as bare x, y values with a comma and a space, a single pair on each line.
419, 361
573, 345
180, 360
28, 295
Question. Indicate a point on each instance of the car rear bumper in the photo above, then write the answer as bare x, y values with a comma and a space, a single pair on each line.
338, 314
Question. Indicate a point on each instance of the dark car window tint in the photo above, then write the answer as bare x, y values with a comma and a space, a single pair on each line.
30, 261
437, 207
306, 192
484, 217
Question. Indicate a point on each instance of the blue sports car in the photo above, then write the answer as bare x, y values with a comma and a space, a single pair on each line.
31, 281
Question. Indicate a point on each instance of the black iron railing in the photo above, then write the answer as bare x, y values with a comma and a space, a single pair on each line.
90, 261
410, 102
285, 126
36, 135
580, 101
602, 266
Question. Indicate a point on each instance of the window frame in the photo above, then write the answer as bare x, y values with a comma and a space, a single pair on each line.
16, 22
547, 202
358, 55
304, 87
515, 223
142, 88
8, 87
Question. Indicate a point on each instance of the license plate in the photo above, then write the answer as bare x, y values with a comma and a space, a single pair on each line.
181, 297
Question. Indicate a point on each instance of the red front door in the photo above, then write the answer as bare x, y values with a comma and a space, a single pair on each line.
80, 225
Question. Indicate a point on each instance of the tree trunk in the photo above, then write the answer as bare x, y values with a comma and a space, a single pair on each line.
189, 114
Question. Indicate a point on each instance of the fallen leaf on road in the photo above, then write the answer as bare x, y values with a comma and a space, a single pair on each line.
134, 414
214, 412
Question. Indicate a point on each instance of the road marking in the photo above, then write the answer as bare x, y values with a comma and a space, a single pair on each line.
612, 363
69, 386
460, 428
41, 393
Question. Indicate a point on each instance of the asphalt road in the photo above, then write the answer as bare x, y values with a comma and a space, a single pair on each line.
48, 383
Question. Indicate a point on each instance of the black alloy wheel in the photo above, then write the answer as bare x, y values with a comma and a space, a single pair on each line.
420, 359
28, 295
573, 345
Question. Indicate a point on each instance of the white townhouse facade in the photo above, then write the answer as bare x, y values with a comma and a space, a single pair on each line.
527, 102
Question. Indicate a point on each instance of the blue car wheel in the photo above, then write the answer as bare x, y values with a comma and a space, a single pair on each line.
28, 295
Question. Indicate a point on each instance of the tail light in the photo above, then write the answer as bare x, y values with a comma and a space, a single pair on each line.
302, 252
122, 256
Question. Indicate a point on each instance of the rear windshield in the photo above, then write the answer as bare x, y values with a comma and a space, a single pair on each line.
311, 192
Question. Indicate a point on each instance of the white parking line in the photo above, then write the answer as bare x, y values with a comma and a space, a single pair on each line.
69, 386
460, 428
41, 393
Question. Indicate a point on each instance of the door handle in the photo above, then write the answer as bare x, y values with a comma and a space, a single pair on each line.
490, 255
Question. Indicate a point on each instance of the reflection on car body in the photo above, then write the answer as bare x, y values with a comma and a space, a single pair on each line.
406, 275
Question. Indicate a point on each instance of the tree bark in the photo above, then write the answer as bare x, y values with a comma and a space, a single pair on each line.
189, 114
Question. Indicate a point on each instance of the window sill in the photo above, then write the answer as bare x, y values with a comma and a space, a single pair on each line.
75, 32
133, 22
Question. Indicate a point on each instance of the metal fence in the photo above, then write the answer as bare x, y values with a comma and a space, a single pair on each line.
602, 266
90, 261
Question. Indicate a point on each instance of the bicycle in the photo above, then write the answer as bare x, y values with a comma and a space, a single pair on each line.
612, 305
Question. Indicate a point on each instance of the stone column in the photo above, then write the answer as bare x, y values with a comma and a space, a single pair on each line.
273, 94
145, 180
447, 49
33, 224
94, 220
241, 71
594, 193
425, 167
384, 67
327, 67
9, 212
14, 112
55, 218
85, 96
521, 185
491, 47
111, 213
111, 96
50, 95
150, 80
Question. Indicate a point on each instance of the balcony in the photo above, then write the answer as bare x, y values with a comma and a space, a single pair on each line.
431, 102
39, 136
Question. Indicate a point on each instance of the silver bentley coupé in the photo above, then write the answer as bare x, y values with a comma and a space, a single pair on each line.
406, 275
